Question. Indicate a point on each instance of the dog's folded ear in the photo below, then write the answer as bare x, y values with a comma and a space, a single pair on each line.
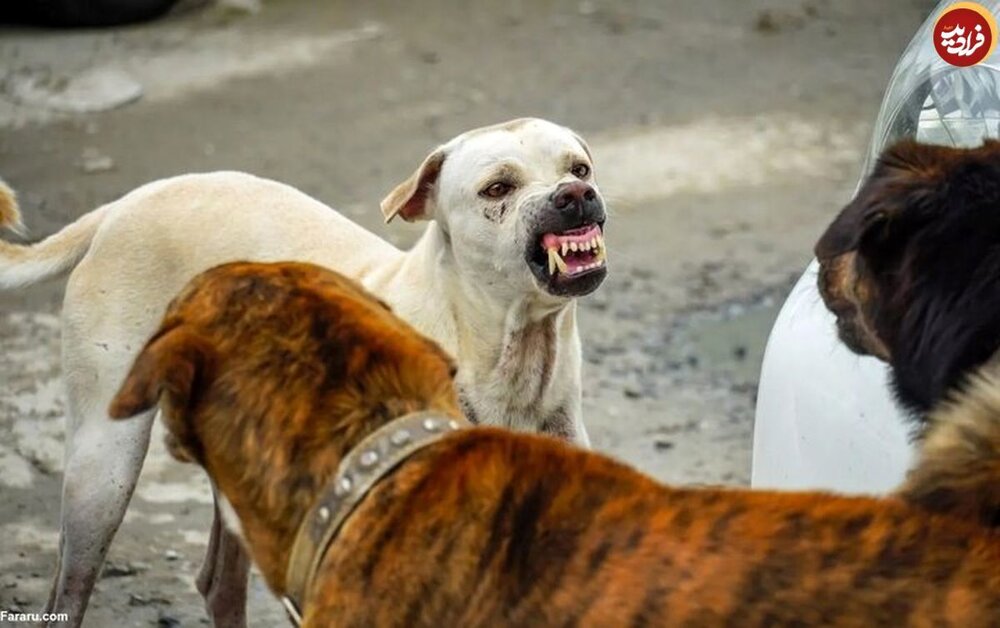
168, 366
413, 199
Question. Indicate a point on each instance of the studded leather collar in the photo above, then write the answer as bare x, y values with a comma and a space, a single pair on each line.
362, 468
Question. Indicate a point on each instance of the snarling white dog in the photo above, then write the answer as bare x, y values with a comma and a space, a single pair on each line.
516, 233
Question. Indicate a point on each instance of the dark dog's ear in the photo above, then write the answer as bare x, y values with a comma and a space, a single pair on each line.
413, 199
168, 368
900, 190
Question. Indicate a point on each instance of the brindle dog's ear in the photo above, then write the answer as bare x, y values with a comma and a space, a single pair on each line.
899, 192
168, 368
413, 199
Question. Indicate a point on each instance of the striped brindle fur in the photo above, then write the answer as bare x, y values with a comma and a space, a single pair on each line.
269, 373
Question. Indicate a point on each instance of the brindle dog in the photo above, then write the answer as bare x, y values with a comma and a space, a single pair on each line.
268, 374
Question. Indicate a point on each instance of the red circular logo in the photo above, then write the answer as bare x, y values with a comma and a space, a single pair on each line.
965, 34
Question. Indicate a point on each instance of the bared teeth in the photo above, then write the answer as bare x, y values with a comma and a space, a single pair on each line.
557, 252
555, 261
561, 264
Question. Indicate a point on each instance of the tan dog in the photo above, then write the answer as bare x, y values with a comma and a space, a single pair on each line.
269, 374
516, 233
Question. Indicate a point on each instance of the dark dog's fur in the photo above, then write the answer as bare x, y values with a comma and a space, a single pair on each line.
911, 267
269, 373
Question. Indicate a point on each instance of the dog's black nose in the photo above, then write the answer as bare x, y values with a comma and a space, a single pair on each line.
574, 197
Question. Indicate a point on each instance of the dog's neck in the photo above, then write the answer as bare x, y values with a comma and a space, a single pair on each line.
942, 338
507, 345
272, 469
376, 457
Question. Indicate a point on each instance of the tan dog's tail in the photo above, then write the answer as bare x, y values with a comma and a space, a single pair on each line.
958, 470
25, 264
10, 214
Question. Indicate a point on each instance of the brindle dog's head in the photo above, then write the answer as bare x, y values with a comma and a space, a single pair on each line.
911, 267
267, 375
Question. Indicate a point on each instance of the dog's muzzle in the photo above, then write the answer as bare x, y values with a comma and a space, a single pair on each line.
567, 253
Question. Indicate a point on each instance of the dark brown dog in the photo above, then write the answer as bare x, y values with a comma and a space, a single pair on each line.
269, 374
911, 268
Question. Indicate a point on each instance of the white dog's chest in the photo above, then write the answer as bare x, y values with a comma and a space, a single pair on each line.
530, 386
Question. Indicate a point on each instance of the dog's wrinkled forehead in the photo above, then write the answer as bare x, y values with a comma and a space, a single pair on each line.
533, 150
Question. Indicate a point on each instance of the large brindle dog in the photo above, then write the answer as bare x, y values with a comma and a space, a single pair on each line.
296, 392
911, 268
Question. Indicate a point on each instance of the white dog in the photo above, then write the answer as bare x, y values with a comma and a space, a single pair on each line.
516, 234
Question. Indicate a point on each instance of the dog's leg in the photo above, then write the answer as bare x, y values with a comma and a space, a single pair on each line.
103, 462
223, 577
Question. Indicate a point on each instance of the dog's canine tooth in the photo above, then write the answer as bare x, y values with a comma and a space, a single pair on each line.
552, 261
593, 242
565, 247
561, 264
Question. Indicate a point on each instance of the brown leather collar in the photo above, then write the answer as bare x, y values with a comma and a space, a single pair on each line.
376, 455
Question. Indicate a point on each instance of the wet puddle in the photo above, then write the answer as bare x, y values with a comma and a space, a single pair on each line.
731, 341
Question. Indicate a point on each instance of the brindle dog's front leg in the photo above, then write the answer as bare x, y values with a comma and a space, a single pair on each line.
222, 580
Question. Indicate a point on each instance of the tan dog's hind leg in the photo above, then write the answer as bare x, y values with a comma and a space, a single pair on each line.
222, 580
97, 487
103, 457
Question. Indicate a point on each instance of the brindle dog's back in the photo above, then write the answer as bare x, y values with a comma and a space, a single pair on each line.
496, 529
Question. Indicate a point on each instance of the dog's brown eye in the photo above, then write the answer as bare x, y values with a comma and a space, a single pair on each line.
496, 190
580, 171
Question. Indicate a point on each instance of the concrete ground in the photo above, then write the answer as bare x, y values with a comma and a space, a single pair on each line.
726, 134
